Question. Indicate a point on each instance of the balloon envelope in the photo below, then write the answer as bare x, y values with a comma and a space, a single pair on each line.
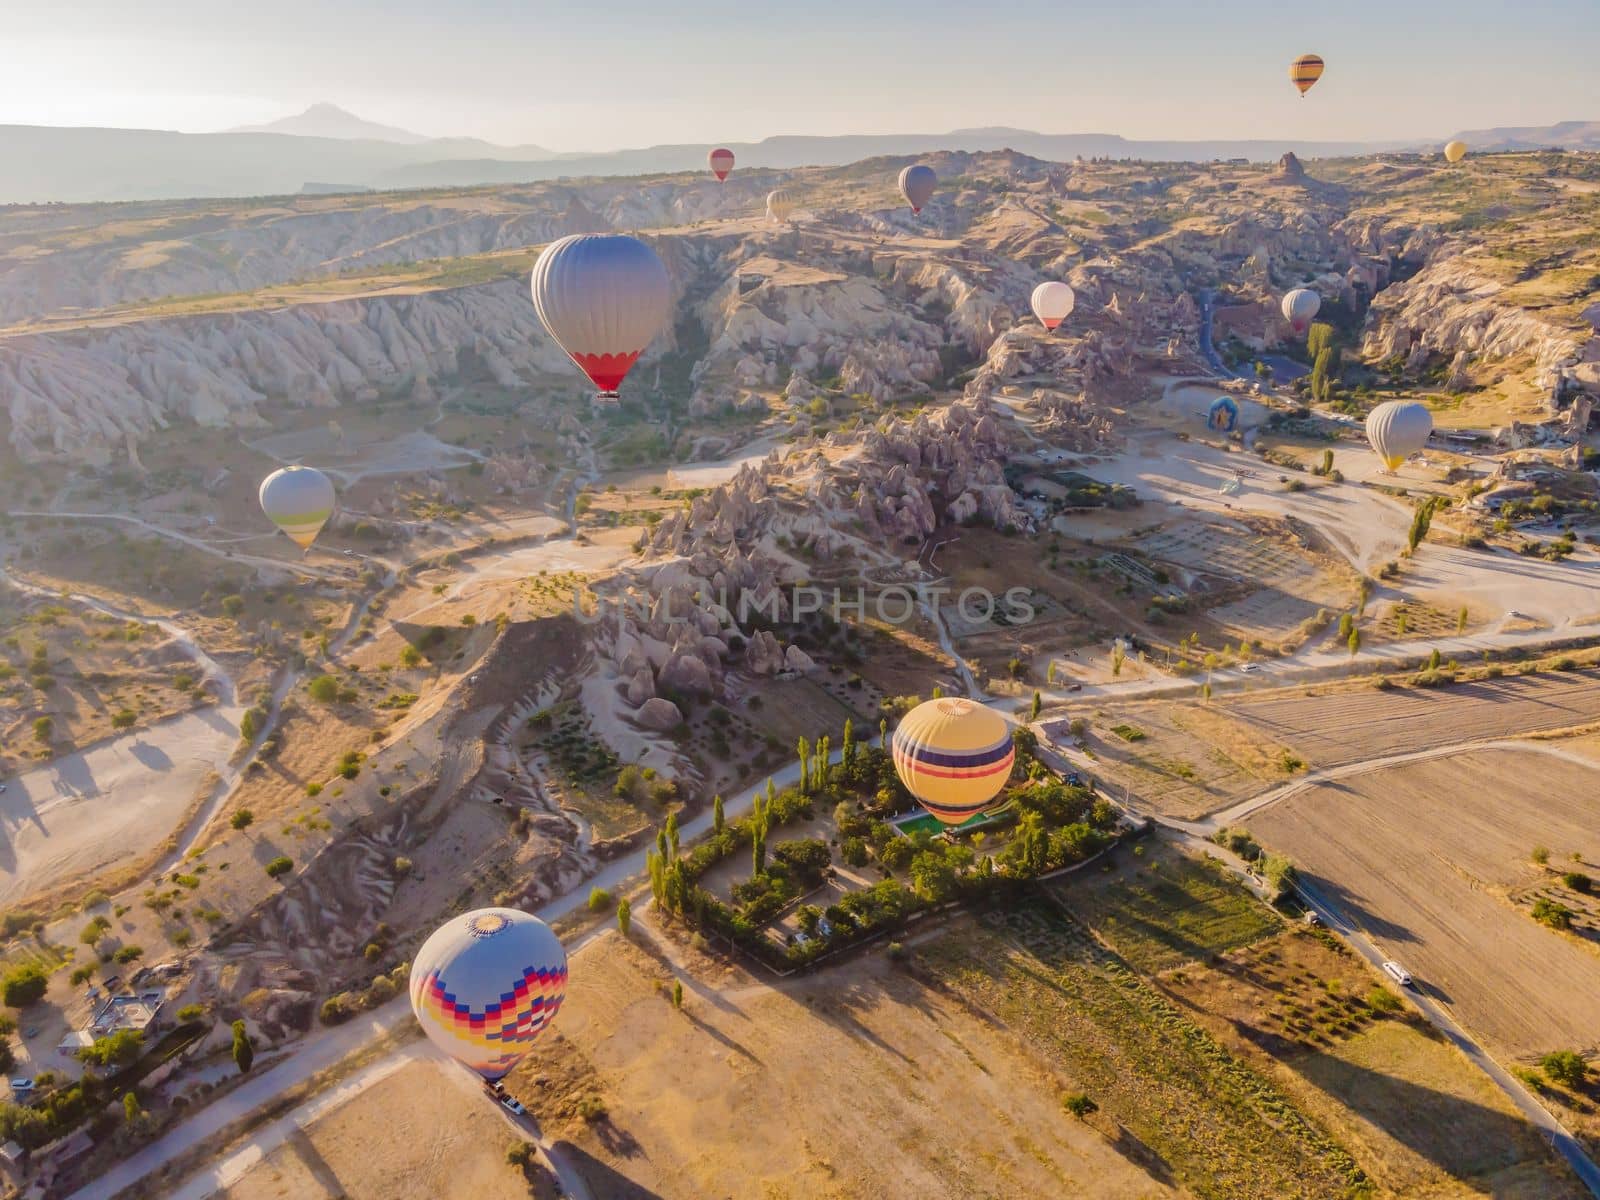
1052, 303
1223, 414
721, 162
1305, 71
298, 500
916, 185
603, 297
780, 203
1299, 307
485, 985
1397, 429
1455, 151
954, 756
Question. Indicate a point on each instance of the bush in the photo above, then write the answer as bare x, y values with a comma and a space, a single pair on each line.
281, 865
336, 1010
1382, 1000
124, 719
599, 900
24, 985
1080, 1105
128, 954
324, 689
592, 1109
1565, 1067
242, 819
1556, 916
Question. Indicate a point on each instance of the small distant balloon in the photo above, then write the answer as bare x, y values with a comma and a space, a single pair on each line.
1052, 303
1305, 71
916, 185
1299, 308
721, 162
1455, 151
780, 204
603, 298
298, 500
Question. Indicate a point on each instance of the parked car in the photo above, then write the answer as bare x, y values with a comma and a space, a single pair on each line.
1248, 667
1397, 973
21, 1085
1312, 918
513, 1106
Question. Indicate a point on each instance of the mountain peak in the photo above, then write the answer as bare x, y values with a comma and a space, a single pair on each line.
330, 121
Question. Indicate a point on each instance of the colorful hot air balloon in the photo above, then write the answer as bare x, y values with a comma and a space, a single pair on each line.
1223, 414
721, 162
780, 203
603, 297
1299, 307
1397, 429
1455, 151
1305, 71
916, 185
485, 984
1052, 303
298, 500
954, 756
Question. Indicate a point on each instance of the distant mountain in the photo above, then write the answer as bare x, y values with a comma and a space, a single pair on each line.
83, 164
331, 121
1566, 135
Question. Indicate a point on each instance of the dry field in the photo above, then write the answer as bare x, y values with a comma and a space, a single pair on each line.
1426, 856
855, 1082
1338, 727
418, 1134
1310, 1015
1191, 759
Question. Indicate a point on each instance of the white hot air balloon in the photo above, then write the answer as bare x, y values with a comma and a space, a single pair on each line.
1052, 303
780, 204
1397, 429
916, 185
298, 500
1300, 307
486, 984
603, 297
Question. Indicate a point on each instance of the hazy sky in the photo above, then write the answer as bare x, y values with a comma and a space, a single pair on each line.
611, 73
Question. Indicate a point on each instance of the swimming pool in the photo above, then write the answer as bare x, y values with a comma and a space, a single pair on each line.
925, 823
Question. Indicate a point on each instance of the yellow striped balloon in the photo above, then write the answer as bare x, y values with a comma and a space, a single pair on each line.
298, 500
954, 756
1305, 71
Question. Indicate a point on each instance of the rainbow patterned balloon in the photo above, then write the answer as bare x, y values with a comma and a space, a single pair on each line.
954, 756
486, 984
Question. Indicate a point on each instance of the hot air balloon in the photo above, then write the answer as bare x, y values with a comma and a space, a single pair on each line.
1305, 71
1299, 307
780, 203
1052, 303
954, 756
1397, 429
298, 500
721, 162
485, 984
916, 185
1223, 414
1455, 151
603, 297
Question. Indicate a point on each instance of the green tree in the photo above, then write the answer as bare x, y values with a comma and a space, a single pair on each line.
1354, 642
1080, 1105
758, 854
1566, 1067
114, 1050
677, 994
130, 1108
24, 985
1421, 520
1320, 368
847, 750
933, 878
1118, 656
232, 606
410, 656
244, 1050
43, 728
1346, 624
1036, 706
717, 819
324, 689
803, 749
672, 833
624, 915
242, 819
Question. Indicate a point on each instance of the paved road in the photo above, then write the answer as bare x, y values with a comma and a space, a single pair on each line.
1564, 1143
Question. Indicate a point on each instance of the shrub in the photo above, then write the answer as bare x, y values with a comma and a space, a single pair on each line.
128, 954
242, 819
599, 900
1382, 1000
24, 985
1080, 1105
1565, 1067
324, 689
592, 1109
124, 719
281, 865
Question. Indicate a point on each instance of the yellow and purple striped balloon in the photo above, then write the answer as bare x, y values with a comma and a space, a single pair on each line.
954, 756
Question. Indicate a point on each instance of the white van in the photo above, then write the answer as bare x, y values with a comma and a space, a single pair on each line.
1397, 973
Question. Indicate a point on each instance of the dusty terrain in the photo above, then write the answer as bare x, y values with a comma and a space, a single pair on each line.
1429, 857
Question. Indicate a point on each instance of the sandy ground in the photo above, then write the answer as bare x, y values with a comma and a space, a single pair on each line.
812, 1088
437, 1139
1424, 855
109, 803
1350, 726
